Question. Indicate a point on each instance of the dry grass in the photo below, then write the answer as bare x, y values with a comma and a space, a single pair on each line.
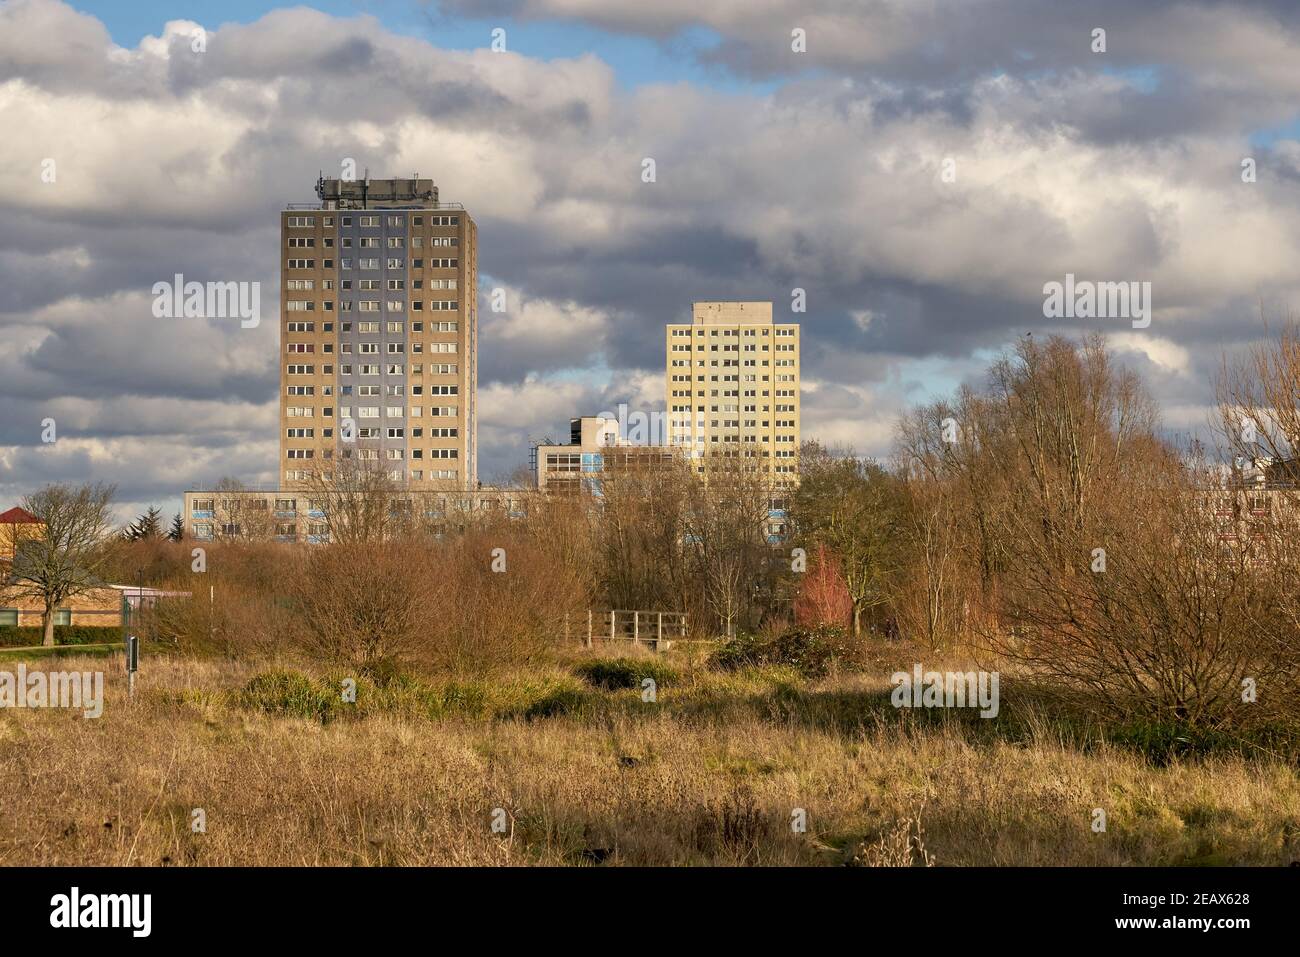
709, 775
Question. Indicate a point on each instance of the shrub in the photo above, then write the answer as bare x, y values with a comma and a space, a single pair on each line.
559, 702
809, 651
12, 636
290, 694
614, 674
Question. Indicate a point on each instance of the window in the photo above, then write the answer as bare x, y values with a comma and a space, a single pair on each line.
8, 617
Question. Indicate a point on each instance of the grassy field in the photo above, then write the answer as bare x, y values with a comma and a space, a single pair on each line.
586, 772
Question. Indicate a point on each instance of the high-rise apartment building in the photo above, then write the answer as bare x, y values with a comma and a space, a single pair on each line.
732, 387
379, 334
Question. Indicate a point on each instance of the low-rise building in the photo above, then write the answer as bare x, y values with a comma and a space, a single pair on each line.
298, 515
596, 451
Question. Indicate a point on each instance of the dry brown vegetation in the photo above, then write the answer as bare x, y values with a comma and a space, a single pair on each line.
709, 774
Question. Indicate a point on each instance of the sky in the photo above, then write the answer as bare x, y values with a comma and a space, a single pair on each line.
919, 168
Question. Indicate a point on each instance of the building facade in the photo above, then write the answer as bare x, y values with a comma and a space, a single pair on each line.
379, 334
732, 387
597, 450
294, 515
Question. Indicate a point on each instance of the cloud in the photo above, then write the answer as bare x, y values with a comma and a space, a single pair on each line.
921, 176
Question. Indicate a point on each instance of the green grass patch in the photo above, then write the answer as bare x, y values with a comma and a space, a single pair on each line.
290, 694
616, 674
59, 651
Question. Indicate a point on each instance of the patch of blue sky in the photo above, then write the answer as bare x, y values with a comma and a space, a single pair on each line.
636, 60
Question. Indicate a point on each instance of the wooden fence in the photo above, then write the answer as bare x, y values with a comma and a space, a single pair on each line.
656, 629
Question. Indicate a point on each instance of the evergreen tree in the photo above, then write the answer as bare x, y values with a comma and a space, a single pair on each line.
178, 529
148, 525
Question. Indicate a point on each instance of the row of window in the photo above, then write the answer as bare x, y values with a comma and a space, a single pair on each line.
782, 331
367, 285
372, 263
391, 455
371, 327
366, 432
392, 368
372, 242
730, 363
370, 221
414, 412
9, 617
367, 348
373, 305
398, 475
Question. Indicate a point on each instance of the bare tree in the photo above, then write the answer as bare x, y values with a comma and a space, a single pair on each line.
360, 502
725, 534
61, 561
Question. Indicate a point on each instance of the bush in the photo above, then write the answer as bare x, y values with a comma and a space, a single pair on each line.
615, 674
12, 636
290, 694
557, 703
809, 651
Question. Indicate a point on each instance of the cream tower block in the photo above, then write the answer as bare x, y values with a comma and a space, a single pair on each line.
732, 387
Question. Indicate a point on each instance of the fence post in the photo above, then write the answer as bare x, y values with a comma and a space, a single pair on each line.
636, 628
659, 635
588, 627
611, 624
